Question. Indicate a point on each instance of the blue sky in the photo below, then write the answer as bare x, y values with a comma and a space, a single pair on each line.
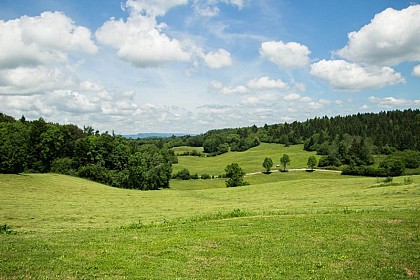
193, 65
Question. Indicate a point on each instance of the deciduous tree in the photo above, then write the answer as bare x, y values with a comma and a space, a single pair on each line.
312, 162
267, 164
285, 160
235, 175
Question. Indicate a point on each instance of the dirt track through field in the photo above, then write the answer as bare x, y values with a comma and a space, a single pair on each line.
295, 169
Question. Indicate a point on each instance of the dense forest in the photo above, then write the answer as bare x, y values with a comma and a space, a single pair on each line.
40, 146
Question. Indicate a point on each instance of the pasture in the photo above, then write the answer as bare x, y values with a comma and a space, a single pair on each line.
284, 225
250, 160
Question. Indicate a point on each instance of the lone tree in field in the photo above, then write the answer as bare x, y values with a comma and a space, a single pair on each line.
285, 160
235, 175
312, 162
267, 164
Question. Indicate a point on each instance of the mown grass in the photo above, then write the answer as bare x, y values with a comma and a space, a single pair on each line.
290, 225
187, 149
366, 245
250, 160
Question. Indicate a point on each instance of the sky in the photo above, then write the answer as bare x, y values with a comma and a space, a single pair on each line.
188, 66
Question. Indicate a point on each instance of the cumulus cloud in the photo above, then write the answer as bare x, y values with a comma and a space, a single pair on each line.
392, 102
285, 55
219, 59
31, 41
71, 102
35, 80
266, 98
416, 71
140, 41
343, 75
292, 96
265, 83
219, 87
392, 37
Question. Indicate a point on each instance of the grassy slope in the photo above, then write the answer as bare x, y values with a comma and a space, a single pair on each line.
54, 202
308, 225
250, 161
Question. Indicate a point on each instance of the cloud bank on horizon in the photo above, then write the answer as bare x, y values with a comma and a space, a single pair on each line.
195, 65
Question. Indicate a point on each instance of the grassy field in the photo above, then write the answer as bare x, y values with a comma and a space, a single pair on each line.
250, 160
285, 225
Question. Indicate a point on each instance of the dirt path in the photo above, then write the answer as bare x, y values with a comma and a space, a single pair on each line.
295, 169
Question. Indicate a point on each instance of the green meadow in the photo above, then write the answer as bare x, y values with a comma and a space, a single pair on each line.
293, 225
250, 161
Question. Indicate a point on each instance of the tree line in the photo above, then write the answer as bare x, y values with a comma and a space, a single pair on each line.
385, 132
40, 146
342, 140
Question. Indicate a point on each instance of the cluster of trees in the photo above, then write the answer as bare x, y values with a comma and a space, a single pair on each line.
39, 146
397, 129
383, 132
285, 161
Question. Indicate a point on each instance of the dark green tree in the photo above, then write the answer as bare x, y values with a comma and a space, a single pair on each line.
14, 147
235, 175
183, 174
149, 169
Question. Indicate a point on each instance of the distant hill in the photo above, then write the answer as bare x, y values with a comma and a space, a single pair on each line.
155, 135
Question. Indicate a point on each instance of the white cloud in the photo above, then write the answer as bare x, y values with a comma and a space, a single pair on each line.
36, 80
266, 98
91, 86
416, 71
285, 55
140, 41
292, 96
30, 41
390, 38
223, 89
71, 101
219, 59
392, 102
343, 75
265, 83
153, 7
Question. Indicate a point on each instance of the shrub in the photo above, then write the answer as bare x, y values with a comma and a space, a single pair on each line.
205, 176
5, 229
95, 172
408, 181
365, 171
395, 167
183, 174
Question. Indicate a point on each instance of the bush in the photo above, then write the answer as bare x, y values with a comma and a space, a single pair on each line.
395, 167
96, 172
408, 180
205, 176
365, 171
183, 174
